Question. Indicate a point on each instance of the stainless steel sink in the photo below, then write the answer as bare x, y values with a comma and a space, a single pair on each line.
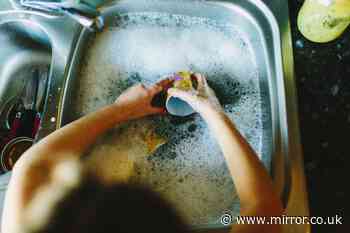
21, 52
63, 42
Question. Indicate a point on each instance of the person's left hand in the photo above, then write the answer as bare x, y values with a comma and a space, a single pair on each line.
138, 99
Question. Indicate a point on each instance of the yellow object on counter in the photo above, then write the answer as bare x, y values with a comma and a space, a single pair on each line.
324, 20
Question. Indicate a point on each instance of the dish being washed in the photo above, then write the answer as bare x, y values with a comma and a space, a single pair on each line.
174, 105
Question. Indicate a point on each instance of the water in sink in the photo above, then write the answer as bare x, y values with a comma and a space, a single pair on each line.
189, 170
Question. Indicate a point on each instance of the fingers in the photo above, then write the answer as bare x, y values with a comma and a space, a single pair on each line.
135, 87
201, 80
161, 111
141, 87
166, 83
162, 85
155, 89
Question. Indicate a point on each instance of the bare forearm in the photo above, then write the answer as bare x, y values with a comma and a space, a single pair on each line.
251, 179
68, 142
36, 167
77, 136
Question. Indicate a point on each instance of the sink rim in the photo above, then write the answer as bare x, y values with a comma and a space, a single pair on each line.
277, 98
295, 196
61, 52
61, 70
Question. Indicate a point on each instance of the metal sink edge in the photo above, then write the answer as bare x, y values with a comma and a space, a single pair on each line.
277, 12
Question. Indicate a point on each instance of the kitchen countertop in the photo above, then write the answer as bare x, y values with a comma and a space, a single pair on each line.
322, 76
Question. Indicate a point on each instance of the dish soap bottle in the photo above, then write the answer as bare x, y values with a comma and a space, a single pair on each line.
324, 20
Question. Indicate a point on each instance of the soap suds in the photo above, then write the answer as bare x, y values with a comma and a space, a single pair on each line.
189, 170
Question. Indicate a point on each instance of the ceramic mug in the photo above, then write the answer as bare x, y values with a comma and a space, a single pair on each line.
176, 106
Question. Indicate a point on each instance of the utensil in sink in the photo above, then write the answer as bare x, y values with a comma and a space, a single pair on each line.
29, 115
13, 151
23, 114
24, 125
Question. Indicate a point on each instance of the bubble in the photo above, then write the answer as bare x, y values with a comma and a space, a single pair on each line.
189, 170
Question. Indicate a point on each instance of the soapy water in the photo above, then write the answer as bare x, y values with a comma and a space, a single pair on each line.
189, 170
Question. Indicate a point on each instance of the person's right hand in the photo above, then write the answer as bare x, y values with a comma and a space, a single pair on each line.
202, 100
137, 100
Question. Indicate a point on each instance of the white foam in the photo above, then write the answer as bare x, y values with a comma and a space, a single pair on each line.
189, 170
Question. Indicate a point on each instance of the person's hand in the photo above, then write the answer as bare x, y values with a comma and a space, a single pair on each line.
138, 100
202, 100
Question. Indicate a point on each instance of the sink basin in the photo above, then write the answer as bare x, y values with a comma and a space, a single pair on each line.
244, 48
29, 44
147, 40
21, 53
34, 40
237, 44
